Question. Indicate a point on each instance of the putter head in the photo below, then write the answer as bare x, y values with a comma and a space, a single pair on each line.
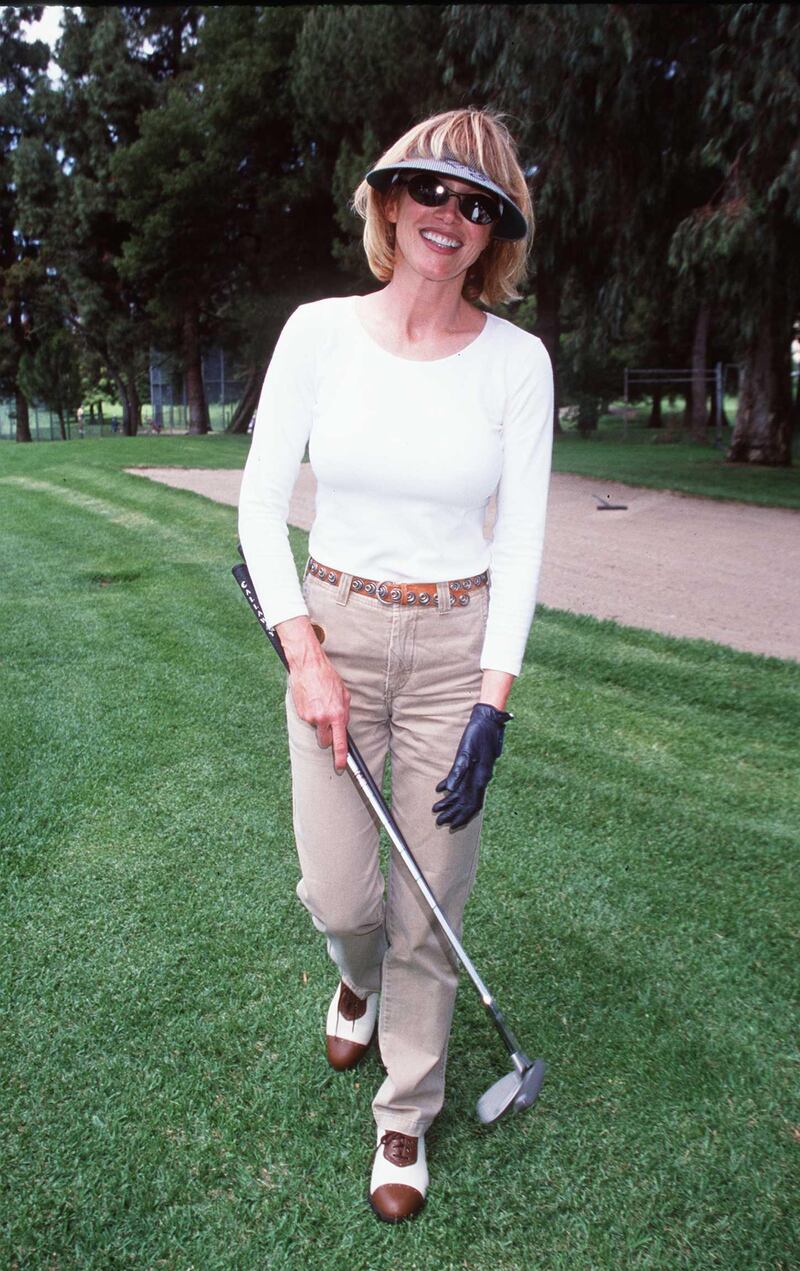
512, 1093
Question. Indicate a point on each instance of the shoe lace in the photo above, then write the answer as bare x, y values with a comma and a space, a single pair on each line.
399, 1148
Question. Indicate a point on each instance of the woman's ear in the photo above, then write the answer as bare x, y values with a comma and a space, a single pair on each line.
391, 204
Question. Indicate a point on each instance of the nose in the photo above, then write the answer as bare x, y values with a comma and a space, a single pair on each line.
448, 209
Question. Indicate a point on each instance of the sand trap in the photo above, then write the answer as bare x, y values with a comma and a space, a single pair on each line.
680, 565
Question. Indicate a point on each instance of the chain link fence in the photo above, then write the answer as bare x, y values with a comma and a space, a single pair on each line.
44, 423
164, 403
223, 382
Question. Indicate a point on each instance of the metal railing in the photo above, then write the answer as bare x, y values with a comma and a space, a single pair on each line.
639, 376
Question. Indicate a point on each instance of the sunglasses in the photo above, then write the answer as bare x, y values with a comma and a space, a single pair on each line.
430, 191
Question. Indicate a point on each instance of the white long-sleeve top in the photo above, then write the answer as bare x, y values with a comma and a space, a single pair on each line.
406, 455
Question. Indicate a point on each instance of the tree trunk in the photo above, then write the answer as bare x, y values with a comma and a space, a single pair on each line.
686, 422
193, 372
18, 336
134, 405
62, 426
128, 427
711, 417
796, 407
696, 416
588, 414
762, 433
548, 327
248, 402
23, 417
655, 420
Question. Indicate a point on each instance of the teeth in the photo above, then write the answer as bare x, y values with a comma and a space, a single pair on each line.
440, 239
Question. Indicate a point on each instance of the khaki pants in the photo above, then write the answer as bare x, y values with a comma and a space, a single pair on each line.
413, 676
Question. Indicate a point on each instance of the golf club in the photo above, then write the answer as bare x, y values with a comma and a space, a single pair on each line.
518, 1089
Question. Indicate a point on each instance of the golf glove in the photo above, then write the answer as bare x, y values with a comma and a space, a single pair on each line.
465, 785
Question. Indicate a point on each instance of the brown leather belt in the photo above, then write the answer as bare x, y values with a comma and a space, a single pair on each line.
388, 593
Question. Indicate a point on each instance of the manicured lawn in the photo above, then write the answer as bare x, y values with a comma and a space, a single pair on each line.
636, 460
166, 1100
643, 457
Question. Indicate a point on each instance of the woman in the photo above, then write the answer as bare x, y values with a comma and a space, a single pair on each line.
416, 407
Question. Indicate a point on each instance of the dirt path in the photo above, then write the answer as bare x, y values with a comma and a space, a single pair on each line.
683, 566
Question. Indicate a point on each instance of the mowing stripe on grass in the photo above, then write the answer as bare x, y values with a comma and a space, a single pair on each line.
129, 520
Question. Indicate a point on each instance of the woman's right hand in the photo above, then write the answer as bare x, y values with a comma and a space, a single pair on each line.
319, 693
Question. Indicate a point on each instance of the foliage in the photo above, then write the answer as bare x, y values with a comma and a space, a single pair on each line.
375, 100
278, 254
747, 236
191, 172
22, 67
67, 193
653, 177
52, 375
744, 242
603, 100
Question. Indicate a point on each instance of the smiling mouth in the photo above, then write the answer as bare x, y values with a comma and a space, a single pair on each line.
440, 240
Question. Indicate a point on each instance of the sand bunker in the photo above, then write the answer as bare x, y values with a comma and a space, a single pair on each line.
672, 563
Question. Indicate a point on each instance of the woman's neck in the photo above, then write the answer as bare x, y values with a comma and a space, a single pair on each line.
419, 310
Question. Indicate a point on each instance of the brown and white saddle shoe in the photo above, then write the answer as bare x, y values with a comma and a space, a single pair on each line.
350, 1027
399, 1180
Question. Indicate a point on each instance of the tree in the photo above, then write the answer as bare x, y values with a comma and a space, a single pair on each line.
166, 185
302, 134
51, 374
604, 100
22, 66
344, 121
210, 191
552, 69
67, 197
746, 239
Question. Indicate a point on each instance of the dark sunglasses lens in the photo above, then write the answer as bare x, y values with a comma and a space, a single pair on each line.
479, 209
428, 192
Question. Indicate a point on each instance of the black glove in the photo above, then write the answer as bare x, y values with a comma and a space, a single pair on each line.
480, 745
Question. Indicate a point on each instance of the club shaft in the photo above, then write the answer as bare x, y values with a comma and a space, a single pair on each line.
359, 771
361, 774
378, 805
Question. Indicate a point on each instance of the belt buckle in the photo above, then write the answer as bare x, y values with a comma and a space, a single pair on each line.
389, 594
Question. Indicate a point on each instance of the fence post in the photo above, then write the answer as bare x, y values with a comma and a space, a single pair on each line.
222, 387
625, 415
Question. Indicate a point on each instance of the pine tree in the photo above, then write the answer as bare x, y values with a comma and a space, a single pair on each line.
361, 76
68, 198
22, 69
745, 240
210, 192
604, 100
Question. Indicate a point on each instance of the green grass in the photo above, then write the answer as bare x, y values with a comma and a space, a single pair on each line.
165, 1098
640, 457
664, 460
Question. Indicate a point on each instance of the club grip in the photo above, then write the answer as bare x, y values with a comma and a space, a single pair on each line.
242, 575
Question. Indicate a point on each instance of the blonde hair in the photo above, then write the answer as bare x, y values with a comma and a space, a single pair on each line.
480, 140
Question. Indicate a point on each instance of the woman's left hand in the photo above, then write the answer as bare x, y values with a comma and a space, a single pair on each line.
465, 785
